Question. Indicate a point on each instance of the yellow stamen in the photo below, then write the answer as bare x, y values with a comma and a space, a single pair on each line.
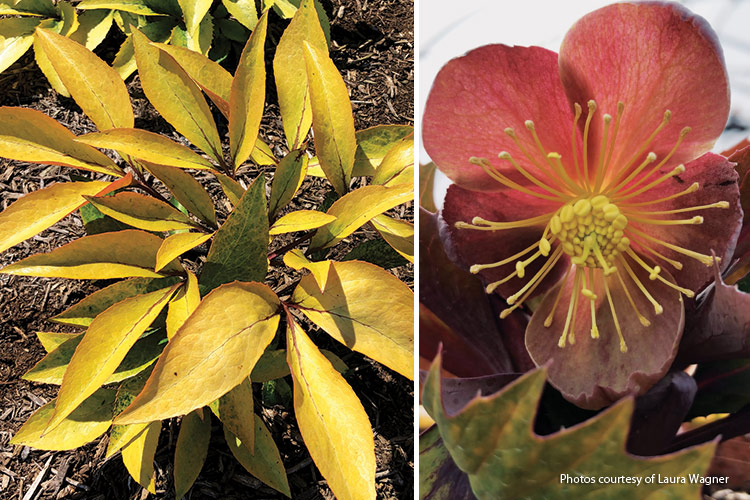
481, 224
548, 320
504, 155
692, 189
656, 167
478, 267
624, 170
620, 110
668, 222
676, 171
529, 287
623, 345
560, 169
650, 158
490, 170
573, 143
571, 307
676, 264
654, 274
658, 309
602, 151
705, 259
589, 116
641, 317
592, 300
718, 204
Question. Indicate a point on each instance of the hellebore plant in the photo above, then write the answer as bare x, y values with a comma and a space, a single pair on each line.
584, 179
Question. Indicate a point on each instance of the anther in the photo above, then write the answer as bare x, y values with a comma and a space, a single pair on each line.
529, 124
544, 246
510, 132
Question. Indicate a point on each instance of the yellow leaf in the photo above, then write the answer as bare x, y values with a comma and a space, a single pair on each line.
177, 244
235, 410
426, 183
104, 345
30, 135
352, 309
121, 435
287, 179
291, 77
52, 340
333, 122
262, 154
175, 96
194, 11
231, 188
356, 208
95, 86
146, 146
191, 450
16, 40
248, 96
121, 254
138, 456
324, 405
187, 190
142, 211
265, 463
138, 7
230, 329
93, 28
40, 209
398, 233
89, 421
297, 260
301, 220
215, 81
244, 11
182, 305
397, 164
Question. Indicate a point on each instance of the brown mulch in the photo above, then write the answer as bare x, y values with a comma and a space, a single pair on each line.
373, 47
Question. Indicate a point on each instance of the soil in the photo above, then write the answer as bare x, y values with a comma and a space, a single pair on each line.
373, 48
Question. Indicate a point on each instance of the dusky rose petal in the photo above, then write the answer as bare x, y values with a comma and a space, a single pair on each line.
476, 96
720, 228
652, 57
593, 373
473, 246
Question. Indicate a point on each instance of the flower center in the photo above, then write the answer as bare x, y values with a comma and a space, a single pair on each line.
591, 232
602, 209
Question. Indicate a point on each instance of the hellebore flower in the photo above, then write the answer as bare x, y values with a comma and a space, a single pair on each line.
586, 175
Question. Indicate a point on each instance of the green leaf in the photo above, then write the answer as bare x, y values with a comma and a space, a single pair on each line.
426, 183
356, 208
121, 435
89, 421
104, 346
248, 96
191, 450
333, 122
232, 189
516, 463
16, 36
239, 249
242, 10
291, 76
265, 463
287, 179
377, 252
124, 254
30, 135
84, 312
351, 311
439, 478
142, 211
235, 410
95, 86
175, 96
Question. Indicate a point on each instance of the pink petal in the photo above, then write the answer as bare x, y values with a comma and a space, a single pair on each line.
720, 228
593, 373
471, 246
476, 96
652, 57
